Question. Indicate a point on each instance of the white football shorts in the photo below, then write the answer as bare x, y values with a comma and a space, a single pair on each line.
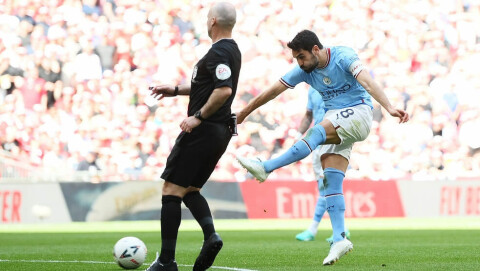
353, 124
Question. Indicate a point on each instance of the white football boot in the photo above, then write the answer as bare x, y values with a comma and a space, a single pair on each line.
337, 250
255, 167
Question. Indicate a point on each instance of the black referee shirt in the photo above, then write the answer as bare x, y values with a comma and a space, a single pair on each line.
220, 67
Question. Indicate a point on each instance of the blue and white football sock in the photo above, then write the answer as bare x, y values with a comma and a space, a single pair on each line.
320, 208
335, 201
319, 211
315, 136
314, 227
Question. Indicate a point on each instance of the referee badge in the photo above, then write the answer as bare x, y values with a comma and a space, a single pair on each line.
223, 72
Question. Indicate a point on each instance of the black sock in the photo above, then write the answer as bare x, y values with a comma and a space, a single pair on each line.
199, 207
170, 221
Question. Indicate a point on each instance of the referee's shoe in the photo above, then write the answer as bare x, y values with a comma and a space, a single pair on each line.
158, 266
209, 251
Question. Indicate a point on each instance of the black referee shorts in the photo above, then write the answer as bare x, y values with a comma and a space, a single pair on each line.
195, 155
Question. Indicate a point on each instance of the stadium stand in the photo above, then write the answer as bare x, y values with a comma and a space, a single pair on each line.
74, 79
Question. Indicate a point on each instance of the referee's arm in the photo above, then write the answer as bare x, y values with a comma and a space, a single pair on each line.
218, 97
184, 89
162, 91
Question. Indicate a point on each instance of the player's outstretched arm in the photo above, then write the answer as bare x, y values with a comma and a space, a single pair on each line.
378, 94
162, 91
260, 100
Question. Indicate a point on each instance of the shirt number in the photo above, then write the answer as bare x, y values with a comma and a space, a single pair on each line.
346, 113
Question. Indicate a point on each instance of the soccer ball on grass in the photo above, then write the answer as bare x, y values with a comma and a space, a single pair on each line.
130, 252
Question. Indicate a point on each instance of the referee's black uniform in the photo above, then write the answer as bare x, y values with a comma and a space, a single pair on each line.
195, 155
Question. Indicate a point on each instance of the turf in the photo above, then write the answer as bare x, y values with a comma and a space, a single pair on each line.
381, 244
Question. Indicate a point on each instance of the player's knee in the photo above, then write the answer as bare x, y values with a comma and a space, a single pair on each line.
315, 136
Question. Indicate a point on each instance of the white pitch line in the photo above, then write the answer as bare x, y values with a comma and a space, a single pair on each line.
227, 268
98, 262
54, 261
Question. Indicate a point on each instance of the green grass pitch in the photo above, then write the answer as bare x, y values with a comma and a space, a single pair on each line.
263, 245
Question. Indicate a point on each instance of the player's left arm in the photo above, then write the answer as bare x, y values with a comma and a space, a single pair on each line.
366, 80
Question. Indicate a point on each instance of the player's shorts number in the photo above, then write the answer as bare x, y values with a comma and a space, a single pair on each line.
346, 113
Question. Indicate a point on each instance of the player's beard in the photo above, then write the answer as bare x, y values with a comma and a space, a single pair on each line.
312, 67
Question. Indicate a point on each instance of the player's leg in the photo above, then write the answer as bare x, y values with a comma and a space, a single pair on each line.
314, 137
310, 233
353, 125
322, 133
322, 194
319, 211
335, 166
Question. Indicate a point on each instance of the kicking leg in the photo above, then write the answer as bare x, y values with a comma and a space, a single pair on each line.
315, 136
322, 133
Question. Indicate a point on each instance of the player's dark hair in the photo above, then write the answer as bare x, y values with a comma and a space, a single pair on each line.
305, 40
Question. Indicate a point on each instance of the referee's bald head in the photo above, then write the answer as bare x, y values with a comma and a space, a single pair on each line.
225, 15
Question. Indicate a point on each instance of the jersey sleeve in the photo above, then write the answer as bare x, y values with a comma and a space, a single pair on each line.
293, 77
220, 69
351, 62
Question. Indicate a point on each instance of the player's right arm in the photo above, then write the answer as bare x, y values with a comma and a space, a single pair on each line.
260, 100
366, 80
305, 122
162, 91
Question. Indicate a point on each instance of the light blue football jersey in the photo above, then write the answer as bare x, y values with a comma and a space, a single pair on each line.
336, 82
316, 105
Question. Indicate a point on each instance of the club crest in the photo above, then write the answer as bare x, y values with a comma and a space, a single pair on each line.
327, 80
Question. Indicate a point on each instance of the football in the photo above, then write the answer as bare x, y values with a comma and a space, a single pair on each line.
129, 252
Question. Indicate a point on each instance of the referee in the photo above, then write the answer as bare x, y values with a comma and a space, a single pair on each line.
205, 135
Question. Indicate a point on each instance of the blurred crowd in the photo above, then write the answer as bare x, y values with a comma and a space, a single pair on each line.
74, 78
